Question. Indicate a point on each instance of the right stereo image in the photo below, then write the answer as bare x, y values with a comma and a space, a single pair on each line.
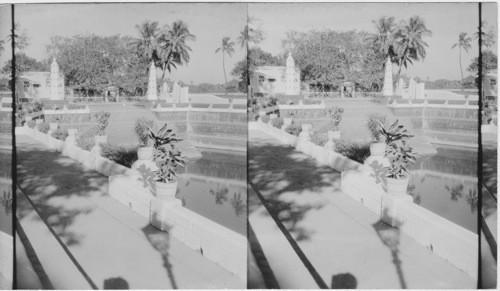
372, 145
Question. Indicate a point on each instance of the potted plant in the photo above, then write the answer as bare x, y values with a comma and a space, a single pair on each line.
167, 158
375, 124
53, 126
398, 176
289, 119
145, 152
102, 122
71, 138
335, 115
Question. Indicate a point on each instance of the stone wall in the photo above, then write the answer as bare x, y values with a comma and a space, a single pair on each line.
220, 126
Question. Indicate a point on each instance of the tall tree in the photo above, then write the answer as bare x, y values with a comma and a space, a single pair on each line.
227, 47
463, 43
255, 57
250, 35
173, 49
19, 36
146, 45
383, 40
410, 45
487, 38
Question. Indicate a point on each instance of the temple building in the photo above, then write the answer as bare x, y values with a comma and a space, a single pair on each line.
276, 79
47, 85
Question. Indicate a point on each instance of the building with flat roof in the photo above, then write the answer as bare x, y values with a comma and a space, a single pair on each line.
276, 79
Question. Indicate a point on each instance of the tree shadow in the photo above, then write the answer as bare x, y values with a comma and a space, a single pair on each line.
160, 240
58, 187
284, 177
390, 237
117, 283
147, 177
344, 281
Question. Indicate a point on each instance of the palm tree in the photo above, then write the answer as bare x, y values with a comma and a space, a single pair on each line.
146, 45
487, 38
19, 36
383, 41
409, 43
226, 48
172, 46
250, 34
463, 43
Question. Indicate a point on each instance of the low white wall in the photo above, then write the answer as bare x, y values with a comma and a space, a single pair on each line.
446, 239
489, 128
320, 154
215, 242
6, 261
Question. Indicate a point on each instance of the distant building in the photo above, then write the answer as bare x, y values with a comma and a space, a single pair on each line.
490, 84
47, 85
276, 79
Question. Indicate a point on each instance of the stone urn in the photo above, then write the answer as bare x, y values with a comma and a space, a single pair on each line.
99, 140
332, 137
71, 138
52, 127
397, 186
145, 163
273, 115
166, 191
377, 154
305, 134
38, 121
287, 121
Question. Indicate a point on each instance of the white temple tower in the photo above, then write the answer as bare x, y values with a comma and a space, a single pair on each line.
291, 78
56, 82
152, 83
388, 87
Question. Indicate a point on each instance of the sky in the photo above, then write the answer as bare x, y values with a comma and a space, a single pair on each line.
208, 22
445, 20
5, 25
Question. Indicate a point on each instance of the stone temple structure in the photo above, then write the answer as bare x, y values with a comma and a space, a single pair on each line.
277, 79
152, 83
56, 82
388, 87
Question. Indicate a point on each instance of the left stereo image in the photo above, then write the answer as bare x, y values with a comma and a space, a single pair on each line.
130, 146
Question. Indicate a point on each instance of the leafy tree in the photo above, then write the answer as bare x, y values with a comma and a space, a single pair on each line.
255, 57
463, 43
21, 40
328, 58
91, 63
410, 45
489, 62
488, 39
25, 63
166, 47
227, 47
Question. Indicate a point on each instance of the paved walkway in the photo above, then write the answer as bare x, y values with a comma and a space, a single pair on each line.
115, 247
338, 235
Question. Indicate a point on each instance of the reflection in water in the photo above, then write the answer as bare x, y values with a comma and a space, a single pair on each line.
214, 186
440, 183
6, 201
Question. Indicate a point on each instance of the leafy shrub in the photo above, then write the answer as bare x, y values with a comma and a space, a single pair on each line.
102, 121
358, 152
166, 155
277, 122
142, 127
265, 118
375, 120
400, 156
294, 129
60, 134
85, 143
124, 156
394, 133
319, 138
31, 124
335, 115
43, 127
